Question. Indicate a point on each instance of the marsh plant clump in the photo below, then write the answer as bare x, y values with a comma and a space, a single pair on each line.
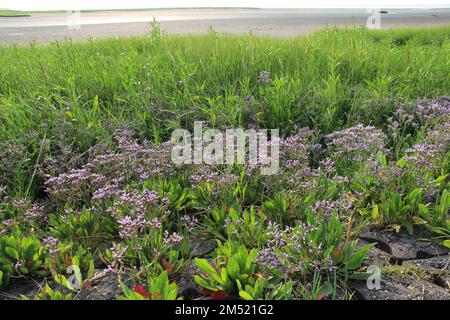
88, 185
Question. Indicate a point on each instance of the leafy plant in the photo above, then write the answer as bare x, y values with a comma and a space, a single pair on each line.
3, 278
234, 269
261, 288
399, 210
48, 293
87, 227
159, 288
246, 227
154, 252
437, 217
61, 256
277, 209
318, 288
21, 255
76, 281
176, 191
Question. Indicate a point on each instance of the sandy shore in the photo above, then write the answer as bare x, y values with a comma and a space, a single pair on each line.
46, 27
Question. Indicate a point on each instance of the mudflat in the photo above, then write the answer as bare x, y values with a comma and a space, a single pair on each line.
46, 27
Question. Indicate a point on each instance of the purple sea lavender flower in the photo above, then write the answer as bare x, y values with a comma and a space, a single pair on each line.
328, 207
52, 244
118, 252
357, 143
35, 212
189, 222
328, 166
427, 155
154, 224
172, 239
264, 77
129, 227
20, 203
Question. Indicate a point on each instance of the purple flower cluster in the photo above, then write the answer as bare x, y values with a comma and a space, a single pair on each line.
301, 179
377, 176
21, 204
356, 143
17, 265
171, 239
105, 172
297, 146
428, 111
434, 109
118, 252
132, 211
71, 182
328, 166
204, 173
250, 101
137, 200
264, 77
295, 171
287, 249
106, 192
8, 222
328, 207
423, 155
189, 222
427, 155
327, 169
52, 244
37, 211
129, 227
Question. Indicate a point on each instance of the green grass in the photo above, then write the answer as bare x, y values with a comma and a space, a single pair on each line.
13, 13
77, 93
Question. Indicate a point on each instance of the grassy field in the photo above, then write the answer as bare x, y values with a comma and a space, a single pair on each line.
62, 104
328, 81
12, 13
